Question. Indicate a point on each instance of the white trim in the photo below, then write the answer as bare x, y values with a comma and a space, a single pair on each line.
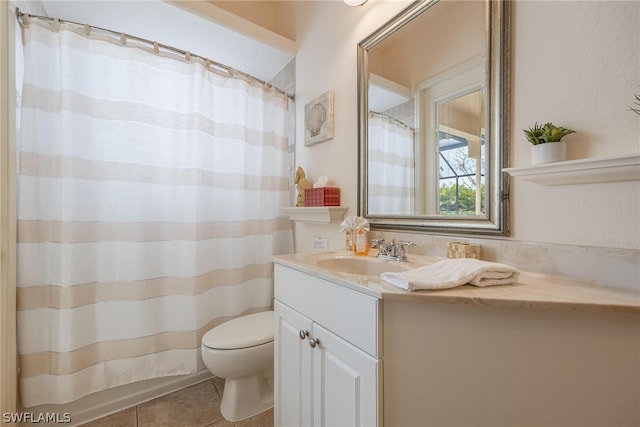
583, 171
456, 81
463, 70
107, 402
319, 214
8, 351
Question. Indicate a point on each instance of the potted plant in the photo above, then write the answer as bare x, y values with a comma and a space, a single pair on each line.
547, 144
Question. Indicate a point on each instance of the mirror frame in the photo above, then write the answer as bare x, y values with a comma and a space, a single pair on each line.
497, 62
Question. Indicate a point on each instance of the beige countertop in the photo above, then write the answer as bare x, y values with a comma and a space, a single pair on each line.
531, 291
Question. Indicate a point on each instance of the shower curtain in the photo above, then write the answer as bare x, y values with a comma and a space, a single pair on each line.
150, 191
391, 166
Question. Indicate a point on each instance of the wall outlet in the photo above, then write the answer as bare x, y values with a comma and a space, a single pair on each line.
319, 244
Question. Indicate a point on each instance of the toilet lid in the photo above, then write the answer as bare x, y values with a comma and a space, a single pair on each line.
242, 332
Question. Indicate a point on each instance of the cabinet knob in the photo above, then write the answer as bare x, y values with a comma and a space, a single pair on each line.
313, 342
303, 334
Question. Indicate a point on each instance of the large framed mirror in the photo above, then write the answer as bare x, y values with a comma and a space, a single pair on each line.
432, 118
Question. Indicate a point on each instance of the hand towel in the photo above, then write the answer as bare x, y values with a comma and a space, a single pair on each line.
450, 273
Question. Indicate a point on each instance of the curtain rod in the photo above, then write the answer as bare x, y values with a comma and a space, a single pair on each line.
229, 70
387, 117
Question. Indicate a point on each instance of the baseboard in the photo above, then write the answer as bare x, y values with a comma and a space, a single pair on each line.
98, 405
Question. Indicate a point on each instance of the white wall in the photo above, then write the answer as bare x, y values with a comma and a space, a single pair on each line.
586, 55
327, 36
574, 63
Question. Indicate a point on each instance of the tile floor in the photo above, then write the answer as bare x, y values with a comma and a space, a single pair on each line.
194, 406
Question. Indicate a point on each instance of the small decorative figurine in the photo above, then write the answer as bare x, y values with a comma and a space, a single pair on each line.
302, 183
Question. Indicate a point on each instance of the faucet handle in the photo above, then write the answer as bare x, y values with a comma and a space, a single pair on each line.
376, 242
405, 244
402, 249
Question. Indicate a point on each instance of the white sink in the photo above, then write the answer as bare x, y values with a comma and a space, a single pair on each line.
366, 266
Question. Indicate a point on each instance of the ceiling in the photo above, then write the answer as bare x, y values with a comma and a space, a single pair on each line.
256, 51
272, 15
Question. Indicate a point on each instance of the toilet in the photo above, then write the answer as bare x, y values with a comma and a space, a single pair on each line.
241, 351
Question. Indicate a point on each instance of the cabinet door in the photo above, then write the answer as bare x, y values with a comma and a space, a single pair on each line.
345, 382
292, 368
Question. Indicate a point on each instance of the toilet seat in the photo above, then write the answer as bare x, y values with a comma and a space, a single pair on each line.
242, 332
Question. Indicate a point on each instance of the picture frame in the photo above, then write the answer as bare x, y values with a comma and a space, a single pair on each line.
318, 119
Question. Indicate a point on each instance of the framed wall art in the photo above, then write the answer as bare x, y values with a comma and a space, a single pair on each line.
318, 120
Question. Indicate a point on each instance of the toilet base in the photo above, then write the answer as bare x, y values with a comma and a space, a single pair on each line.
245, 397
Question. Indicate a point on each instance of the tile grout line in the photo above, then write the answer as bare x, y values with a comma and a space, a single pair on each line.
217, 385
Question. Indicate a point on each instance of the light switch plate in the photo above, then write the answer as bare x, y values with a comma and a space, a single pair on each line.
319, 243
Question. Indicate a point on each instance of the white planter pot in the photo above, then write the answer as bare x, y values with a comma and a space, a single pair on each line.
549, 152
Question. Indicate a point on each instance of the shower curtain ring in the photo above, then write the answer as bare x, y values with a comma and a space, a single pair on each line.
25, 20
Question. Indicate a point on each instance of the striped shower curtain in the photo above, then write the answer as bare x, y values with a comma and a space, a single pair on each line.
150, 191
391, 166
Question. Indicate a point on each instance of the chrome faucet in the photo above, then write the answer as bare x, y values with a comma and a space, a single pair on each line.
395, 251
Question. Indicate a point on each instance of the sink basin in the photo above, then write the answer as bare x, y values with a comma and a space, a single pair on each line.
364, 266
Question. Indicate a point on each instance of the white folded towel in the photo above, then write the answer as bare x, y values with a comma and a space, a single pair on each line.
450, 273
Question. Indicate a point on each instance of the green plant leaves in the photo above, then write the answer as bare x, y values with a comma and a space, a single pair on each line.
542, 134
637, 102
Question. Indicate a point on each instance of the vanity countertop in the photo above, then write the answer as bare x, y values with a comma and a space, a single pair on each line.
531, 291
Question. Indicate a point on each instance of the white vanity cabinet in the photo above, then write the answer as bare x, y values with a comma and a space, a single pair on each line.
542, 352
327, 365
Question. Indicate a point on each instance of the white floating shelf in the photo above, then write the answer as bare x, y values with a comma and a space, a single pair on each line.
320, 214
583, 171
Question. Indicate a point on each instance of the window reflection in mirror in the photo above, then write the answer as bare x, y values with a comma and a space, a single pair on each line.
432, 118
411, 75
461, 154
